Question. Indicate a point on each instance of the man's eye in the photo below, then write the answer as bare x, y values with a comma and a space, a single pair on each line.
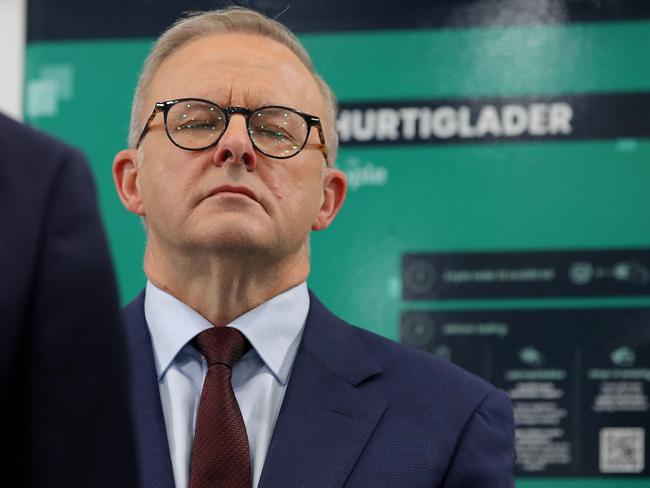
195, 125
274, 132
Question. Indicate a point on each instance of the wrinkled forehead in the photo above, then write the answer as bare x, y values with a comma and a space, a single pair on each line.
237, 69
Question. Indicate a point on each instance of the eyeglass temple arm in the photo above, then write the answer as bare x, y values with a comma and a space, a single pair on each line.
323, 148
145, 129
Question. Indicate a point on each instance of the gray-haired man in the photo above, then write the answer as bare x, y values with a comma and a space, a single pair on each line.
231, 164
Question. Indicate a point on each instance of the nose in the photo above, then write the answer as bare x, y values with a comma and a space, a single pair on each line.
235, 147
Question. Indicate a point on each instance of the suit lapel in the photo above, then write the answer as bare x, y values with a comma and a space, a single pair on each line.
151, 437
326, 419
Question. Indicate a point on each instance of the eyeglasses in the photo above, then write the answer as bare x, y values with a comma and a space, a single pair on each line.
275, 131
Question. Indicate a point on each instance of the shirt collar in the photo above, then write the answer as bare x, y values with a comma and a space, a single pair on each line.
273, 328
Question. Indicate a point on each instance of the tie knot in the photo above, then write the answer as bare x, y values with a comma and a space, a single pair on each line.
221, 345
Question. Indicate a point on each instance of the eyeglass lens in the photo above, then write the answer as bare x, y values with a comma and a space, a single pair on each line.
192, 124
274, 131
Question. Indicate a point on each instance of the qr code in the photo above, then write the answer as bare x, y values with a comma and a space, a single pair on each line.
622, 450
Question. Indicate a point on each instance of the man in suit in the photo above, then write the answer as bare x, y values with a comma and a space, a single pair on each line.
64, 409
231, 165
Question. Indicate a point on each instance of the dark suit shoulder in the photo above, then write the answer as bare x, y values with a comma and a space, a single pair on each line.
437, 413
408, 375
448, 422
35, 169
23, 144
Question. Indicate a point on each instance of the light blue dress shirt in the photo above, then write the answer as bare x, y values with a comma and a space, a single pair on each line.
259, 379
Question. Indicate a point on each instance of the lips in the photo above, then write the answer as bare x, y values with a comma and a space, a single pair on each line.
242, 190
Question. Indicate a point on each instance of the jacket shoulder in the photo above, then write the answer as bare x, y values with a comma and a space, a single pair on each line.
406, 372
24, 143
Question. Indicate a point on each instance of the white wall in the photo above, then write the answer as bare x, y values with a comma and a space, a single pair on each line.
12, 56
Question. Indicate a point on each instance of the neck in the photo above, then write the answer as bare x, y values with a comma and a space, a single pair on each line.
222, 288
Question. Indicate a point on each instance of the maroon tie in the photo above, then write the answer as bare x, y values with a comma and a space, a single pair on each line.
220, 456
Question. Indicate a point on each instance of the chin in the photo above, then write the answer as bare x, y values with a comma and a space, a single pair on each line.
232, 241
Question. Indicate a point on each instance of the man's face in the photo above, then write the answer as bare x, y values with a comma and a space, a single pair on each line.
230, 198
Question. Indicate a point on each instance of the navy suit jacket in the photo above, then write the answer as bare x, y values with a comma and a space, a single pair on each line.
64, 409
359, 411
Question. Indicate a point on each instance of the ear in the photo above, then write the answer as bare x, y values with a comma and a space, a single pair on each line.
125, 176
335, 185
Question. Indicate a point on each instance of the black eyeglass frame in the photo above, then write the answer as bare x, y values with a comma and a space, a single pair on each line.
165, 107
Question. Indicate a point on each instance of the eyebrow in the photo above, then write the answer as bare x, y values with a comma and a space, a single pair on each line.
220, 96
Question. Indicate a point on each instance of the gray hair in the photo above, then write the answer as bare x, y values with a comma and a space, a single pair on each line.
227, 20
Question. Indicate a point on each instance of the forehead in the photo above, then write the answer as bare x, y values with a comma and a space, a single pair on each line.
237, 69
